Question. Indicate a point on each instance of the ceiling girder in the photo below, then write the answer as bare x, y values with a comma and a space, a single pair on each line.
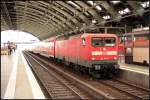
110, 9
4, 25
30, 13
37, 27
53, 13
76, 12
90, 10
32, 25
47, 18
5, 11
29, 16
69, 17
137, 8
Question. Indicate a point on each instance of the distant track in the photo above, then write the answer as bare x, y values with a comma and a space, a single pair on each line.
127, 88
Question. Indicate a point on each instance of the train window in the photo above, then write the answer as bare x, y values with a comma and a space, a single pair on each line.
83, 42
128, 38
97, 41
110, 41
142, 37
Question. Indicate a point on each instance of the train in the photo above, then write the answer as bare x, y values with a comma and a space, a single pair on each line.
93, 53
135, 46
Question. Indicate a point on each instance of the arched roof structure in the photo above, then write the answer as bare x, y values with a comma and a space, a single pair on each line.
47, 18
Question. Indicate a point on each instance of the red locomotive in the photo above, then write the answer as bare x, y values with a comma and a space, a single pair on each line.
94, 53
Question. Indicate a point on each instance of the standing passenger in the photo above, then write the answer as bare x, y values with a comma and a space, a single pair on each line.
9, 48
15, 47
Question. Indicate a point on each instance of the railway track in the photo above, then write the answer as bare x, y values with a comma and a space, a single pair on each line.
55, 84
132, 90
126, 90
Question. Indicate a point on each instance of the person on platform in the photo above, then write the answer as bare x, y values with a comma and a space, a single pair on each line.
9, 48
15, 47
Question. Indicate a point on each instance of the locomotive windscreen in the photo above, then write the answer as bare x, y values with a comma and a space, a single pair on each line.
103, 41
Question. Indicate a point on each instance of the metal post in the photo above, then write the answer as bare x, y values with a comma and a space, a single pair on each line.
124, 42
105, 30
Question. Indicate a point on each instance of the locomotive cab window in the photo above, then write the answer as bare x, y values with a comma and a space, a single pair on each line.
109, 41
97, 41
103, 41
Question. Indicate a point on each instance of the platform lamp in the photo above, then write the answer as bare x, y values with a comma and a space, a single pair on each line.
94, 21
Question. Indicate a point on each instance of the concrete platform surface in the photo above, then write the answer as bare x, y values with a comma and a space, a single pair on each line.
138, 75
6, 68
17, 79
135, 68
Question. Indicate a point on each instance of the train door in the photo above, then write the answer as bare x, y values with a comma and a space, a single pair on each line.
129, 48
141, 49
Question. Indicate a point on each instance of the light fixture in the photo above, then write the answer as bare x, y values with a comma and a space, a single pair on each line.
115, 2
91, 2
86, 13
125, 11
146, 28
145, 4
106, 17
93, 21
98, 8
72, 3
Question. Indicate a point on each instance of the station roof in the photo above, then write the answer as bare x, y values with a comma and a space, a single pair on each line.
48, 18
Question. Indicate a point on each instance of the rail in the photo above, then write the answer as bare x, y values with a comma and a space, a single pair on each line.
57, 86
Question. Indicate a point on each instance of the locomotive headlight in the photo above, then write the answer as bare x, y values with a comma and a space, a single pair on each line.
128, 50
93, 58
115, 58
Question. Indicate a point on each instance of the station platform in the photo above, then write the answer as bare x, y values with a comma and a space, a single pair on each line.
137, 74
133, 67
17, 79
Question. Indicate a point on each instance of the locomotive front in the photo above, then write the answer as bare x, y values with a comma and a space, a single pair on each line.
104, 54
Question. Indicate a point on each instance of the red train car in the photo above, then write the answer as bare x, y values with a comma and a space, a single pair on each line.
96, 53
137, 47
45, 48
